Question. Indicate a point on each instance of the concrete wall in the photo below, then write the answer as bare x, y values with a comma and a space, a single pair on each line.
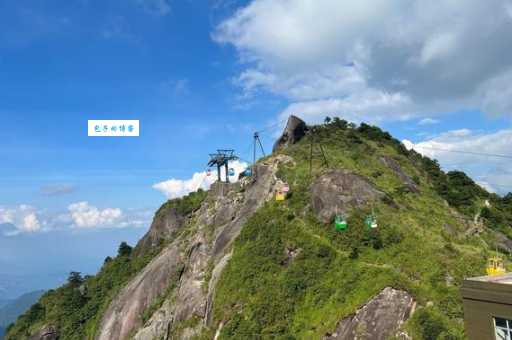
478, 318
482, 302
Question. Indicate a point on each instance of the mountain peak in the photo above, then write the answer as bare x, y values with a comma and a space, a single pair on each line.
294, 130
251, 258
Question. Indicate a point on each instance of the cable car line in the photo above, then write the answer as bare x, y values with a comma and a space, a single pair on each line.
464, 152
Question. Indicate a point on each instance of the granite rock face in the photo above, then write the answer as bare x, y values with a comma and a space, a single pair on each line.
340, 191
125, 313
379, 319
397, 169
164, 225
183, 276
295, 129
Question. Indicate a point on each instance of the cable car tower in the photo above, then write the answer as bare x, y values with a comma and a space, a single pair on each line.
220, 159
314, 140
257, 141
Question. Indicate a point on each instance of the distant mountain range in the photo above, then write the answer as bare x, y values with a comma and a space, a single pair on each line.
10, 310
3, 302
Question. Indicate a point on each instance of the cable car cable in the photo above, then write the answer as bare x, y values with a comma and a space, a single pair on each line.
464, 152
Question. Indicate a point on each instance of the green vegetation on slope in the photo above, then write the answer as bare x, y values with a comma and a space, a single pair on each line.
186, 204
419, 246
75, 308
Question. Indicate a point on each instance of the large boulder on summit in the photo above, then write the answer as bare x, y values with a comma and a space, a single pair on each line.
379, 319
295, 129
340, 191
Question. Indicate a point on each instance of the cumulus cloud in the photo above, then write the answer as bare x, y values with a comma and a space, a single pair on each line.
369, 106
85, 215
430, 55
15, 220
174, 188
23, 218
462, 149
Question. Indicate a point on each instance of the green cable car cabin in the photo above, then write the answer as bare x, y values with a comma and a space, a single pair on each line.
371, 222
340, 223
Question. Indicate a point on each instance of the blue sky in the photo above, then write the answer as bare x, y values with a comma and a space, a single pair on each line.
206, 74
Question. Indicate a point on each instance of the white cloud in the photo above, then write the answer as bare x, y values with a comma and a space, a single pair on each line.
429, 54
428, 121
174, 188
462, 149
31, 223
24, 218
15, 220
372, 106
85, 215
496, 94
326, 83
438, 47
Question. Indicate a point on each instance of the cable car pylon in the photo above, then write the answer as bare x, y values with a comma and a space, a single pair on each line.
221, 159
312, 143
256, 142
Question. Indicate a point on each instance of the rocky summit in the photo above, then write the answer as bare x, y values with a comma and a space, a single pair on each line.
369, 240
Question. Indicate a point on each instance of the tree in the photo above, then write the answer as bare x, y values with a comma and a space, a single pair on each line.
124, 249
507, 199
339, 123
75, 278
327, 120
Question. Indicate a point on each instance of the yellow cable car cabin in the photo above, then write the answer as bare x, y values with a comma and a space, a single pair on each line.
495, 266
280, 196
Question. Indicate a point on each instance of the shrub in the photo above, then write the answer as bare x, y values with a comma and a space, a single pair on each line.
430, 322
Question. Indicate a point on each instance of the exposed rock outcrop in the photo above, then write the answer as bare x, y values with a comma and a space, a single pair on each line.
397, 169
503, 242
47, 332
295, 129
379, 319
165, 223
125, 313
180, 272
340, 191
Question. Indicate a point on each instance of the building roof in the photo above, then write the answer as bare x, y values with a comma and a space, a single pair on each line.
502, 279
496, 288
